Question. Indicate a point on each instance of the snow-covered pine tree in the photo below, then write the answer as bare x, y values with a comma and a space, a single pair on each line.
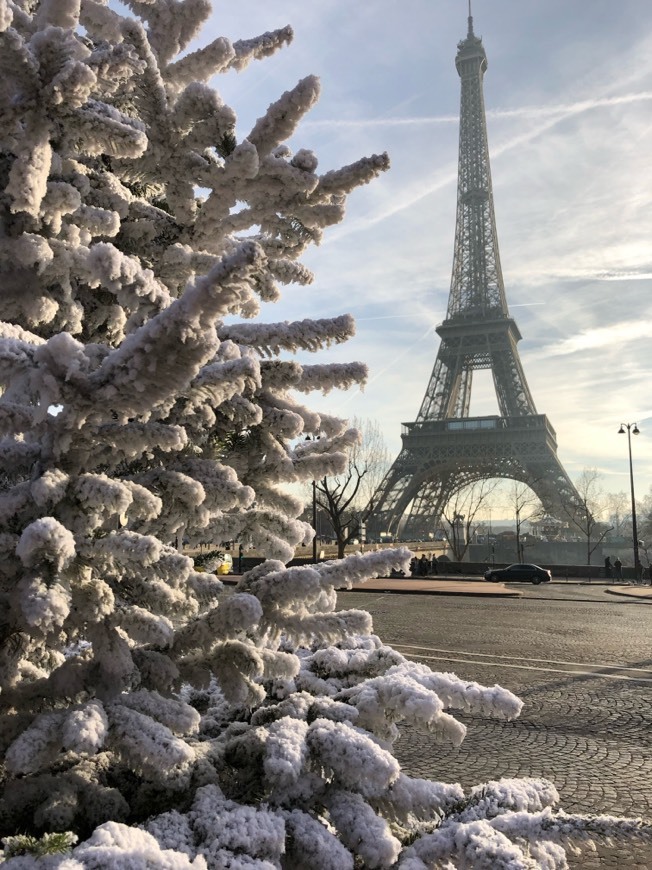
158, 728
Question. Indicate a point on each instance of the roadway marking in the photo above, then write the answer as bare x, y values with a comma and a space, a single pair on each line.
504, 664
463, 652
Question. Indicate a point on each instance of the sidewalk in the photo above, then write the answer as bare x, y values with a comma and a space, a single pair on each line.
641, 593
445, 586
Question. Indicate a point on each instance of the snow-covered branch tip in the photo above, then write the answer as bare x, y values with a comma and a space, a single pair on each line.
348, 572
310, 335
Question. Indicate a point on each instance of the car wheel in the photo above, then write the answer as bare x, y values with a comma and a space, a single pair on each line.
536, 580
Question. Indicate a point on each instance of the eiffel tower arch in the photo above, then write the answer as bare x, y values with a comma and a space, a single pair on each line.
445, 449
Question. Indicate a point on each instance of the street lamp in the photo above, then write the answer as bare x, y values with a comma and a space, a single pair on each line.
632, 429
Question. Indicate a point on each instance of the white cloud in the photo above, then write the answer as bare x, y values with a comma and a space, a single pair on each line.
621, 334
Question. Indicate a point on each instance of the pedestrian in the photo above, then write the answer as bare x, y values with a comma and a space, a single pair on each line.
414, 566
618, 568
433, 565
607, 566
424, 565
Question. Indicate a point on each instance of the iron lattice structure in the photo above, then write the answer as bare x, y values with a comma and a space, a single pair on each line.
445, 449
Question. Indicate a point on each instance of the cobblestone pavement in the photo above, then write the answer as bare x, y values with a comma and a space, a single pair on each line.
582, 663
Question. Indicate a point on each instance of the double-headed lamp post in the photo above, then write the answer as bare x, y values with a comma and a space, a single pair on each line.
632, 429
314, 521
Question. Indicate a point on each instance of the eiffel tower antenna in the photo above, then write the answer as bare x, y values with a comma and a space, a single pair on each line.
445, 449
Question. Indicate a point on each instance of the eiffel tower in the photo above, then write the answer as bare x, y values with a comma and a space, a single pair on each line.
445, 449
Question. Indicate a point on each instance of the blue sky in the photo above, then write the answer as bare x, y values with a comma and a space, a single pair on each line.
569, 101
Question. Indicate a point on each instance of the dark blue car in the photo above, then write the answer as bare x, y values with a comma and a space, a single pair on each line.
520, 571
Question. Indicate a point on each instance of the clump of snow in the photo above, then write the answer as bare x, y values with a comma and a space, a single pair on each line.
46, 541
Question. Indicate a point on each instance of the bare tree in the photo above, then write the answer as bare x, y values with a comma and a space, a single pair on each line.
346, 498
618, 511
458, 517
644, 512
526, 507
585, 517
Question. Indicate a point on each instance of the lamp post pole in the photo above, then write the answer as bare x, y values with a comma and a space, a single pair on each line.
632, 429
314, 521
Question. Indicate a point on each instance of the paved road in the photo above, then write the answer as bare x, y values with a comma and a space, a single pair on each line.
580, 659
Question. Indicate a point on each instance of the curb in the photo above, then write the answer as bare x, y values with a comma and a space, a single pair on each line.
638, 593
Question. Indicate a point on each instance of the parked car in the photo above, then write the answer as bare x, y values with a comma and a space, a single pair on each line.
533, 573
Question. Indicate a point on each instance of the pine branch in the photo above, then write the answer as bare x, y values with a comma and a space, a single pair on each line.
48, 844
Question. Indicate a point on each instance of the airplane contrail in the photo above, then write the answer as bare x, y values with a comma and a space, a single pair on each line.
390, 365
547, 122
522, 112
388, 317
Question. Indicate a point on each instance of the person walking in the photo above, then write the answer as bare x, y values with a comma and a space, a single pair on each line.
618, 568
607, 566
424, 565
433, 565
